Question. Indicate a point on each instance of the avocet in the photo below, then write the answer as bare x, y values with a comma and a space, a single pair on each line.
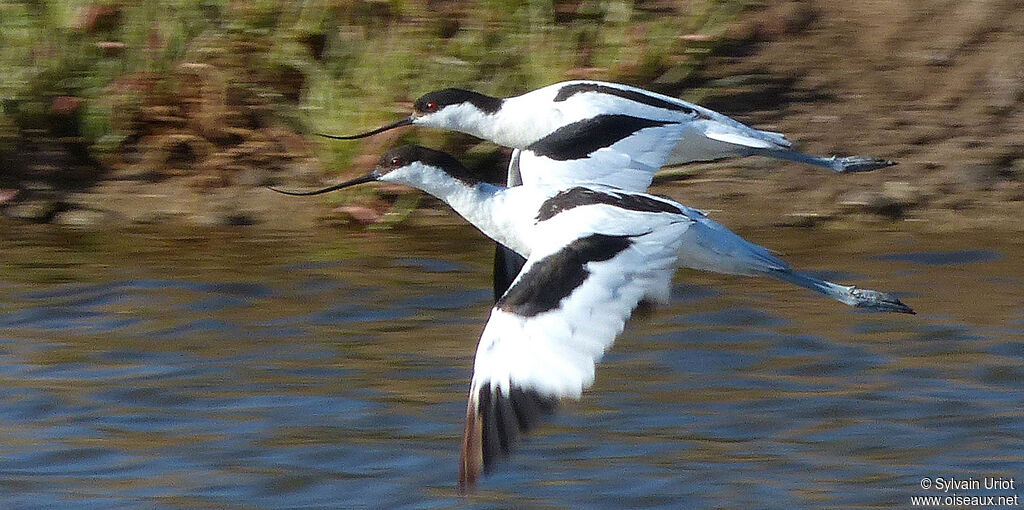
593, 253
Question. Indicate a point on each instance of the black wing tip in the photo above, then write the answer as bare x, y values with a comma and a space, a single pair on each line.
881, 302
507, 417
904, 309
855, 164
896, 307
899, 307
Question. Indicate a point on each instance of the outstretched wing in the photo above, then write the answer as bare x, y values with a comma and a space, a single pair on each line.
633, 131
589, 153
617, 150
548, 330
636, 132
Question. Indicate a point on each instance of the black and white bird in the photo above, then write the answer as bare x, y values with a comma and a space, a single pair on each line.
592, 252
592, 132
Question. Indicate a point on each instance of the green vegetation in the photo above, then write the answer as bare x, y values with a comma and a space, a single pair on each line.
345, 62
222, 92
500, 48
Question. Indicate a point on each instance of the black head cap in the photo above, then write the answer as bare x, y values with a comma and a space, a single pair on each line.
436, 101
407, 154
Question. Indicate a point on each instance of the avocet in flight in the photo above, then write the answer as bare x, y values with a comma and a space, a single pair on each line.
592, 254
592, 132
604, 133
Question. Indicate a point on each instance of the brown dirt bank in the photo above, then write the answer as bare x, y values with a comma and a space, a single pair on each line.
938, 86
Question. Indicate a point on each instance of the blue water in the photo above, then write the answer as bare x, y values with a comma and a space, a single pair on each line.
244, 372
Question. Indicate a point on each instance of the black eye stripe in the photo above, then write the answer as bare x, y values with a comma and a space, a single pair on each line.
409, 154
442, 98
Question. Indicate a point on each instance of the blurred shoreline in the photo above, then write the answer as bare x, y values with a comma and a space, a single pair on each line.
182, 116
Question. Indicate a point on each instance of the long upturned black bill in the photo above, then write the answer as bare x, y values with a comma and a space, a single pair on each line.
404, 122
370, 177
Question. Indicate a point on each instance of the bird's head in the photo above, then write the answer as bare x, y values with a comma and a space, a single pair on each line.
455, 109
411, 164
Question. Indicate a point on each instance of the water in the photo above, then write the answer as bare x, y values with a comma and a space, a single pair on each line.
236, 371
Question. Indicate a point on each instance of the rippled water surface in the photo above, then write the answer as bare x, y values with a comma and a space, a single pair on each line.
235, 370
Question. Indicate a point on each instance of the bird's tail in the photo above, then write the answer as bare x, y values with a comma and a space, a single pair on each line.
848, 164
860, 298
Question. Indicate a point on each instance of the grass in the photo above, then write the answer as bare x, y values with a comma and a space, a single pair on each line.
319, 65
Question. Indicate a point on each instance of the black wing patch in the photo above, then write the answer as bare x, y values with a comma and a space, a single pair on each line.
577, 197
506, 417
580, 139
552, 278
570, 90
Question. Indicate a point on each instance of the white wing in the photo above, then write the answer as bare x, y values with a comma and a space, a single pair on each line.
710, 246
715, 136
628, 163
565, 309
698, 134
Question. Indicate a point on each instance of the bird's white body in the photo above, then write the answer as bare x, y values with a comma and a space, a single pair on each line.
594, 244
637, 132
494, 210
509, 216
525, 119
593, 252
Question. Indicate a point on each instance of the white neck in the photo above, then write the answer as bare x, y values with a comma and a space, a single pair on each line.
523, 120
464, 118
482, 204
514, 125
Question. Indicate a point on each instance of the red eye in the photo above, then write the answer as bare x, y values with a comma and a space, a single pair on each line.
396, 162
432, 106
